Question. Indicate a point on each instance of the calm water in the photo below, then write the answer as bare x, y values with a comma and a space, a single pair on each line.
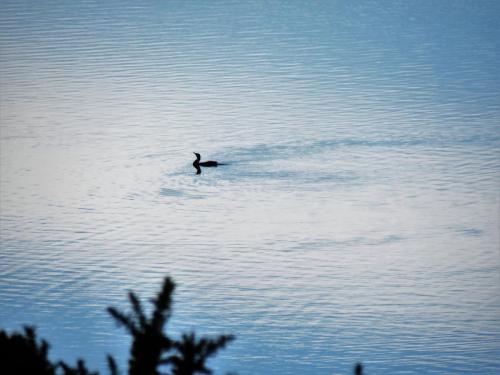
358, 218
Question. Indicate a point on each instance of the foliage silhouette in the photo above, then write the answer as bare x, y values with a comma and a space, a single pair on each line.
148, 339
151, 348
193, 353
20, 353
80, 369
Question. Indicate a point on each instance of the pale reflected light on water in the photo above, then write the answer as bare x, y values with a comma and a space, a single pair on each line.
356, 220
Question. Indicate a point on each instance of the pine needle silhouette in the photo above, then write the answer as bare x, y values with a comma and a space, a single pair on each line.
148, 339
193, 353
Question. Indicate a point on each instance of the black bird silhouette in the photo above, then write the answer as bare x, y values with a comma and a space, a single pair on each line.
209, 163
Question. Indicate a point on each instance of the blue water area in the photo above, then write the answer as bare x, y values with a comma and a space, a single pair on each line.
356, 218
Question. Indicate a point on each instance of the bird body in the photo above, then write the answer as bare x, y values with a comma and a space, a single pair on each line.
209, 163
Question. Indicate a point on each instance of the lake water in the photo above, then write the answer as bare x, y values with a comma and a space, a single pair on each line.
357, 218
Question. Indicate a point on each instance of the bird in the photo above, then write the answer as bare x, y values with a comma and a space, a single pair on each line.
209, 163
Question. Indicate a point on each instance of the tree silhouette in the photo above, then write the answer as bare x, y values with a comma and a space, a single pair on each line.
148, 339
22, 354
152, 348
193, 353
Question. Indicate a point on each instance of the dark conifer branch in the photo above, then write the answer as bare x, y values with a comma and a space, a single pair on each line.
123, 320
138, 310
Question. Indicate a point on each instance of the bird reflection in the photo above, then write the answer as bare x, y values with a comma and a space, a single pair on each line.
209, 163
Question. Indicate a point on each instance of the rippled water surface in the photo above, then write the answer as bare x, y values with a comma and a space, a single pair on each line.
357, 218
